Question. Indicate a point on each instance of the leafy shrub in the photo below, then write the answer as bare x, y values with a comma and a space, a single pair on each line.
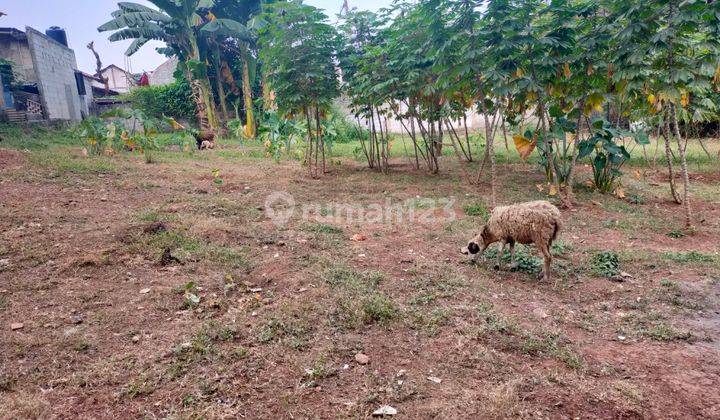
173, 100
99, 137
275, 132
524, 261
609, 157
338, 129
606, 264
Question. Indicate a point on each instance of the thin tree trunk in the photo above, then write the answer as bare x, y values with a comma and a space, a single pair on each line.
669, 157
308, 157
247, 96
576, 143
502, 122
372, 138
657, 147
219, 83
467, 137
684, 169
362, 140
415, 146
321, 139
454, 136
704, 148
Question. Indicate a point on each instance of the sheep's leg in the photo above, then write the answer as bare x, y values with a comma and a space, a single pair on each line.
545, 250
498, 264
512, 254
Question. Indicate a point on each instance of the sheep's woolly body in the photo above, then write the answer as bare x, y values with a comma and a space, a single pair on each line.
535, 222
532, 222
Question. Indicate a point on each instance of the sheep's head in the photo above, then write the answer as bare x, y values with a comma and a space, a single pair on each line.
479, 243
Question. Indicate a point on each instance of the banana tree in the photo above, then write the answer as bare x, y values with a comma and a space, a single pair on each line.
239, 25
230, 34
176, 23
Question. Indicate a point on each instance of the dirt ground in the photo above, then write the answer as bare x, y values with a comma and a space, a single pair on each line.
133, 290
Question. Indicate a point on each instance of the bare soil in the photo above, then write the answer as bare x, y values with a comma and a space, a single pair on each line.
251, 320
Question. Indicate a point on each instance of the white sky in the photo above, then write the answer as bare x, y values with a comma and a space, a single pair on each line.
80, 19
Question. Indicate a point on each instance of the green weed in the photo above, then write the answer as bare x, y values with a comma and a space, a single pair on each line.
605, 264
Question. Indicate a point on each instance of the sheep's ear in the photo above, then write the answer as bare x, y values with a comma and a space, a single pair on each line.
473, 248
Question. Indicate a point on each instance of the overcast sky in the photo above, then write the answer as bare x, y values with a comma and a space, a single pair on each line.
80, 19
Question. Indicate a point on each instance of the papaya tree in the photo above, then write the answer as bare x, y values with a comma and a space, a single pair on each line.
298, 49
669, 53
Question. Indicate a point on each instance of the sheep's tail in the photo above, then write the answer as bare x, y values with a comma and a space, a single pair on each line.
556, 229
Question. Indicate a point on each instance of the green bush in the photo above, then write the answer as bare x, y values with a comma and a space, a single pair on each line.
605, 264
173, 100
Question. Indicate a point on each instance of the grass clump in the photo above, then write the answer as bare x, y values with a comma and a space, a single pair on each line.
654, 326
430, 322
686, 257
605, 264
677, 234
186, 249
476, 210
323, 228
290, 332
359, 300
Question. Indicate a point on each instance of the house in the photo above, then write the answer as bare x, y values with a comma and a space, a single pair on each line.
119, 80
163, 74
47, 84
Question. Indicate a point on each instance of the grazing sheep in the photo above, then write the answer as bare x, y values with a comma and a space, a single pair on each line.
535, 222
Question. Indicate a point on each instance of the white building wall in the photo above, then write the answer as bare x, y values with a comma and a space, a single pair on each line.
163, 74
118, 80
475, 120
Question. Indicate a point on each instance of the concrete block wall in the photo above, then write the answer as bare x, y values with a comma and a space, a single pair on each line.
55, 67
18, 52
163, 75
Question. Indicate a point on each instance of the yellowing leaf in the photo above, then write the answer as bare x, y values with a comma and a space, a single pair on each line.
553, 190
637, 174
540, 187
684, 99
590, 70
519, 72
524, 146
594, 103
531, 96
651, 99
566, 70
620, 192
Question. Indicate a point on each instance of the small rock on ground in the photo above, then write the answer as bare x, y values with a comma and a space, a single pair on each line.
362, 359
385, 410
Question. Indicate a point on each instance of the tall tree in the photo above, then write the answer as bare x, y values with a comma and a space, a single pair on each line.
298, 48
176, 23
